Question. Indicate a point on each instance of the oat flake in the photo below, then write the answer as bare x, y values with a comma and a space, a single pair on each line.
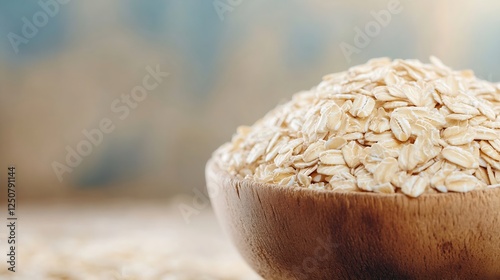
397, 126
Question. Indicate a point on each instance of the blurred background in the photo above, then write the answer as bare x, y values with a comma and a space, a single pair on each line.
228, 65
68, 66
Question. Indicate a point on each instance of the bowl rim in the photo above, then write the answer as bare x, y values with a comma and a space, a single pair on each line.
213, 166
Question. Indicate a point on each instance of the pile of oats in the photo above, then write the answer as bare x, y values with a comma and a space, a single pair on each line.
385, 126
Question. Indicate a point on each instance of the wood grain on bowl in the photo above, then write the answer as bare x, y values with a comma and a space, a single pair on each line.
297, 233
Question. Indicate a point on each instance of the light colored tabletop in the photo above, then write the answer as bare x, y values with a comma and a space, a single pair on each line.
120, 239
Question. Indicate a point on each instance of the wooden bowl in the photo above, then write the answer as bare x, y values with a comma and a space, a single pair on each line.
298, 233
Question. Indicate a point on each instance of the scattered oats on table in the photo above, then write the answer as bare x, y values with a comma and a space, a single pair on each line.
397, 126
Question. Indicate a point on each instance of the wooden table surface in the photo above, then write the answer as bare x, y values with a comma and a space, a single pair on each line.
119, 239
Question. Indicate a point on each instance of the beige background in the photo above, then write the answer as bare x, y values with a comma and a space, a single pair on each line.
223, 72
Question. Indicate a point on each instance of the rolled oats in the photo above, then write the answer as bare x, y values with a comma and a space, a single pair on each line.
398, 126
